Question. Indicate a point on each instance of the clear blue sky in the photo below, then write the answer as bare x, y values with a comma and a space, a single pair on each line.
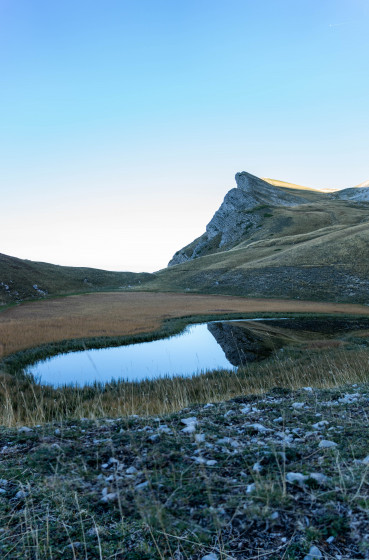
124, 122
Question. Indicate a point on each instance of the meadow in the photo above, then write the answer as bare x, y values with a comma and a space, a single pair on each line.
34, 330
118, 314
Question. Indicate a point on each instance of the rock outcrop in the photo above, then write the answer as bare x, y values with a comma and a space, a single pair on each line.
241, 212
356, 194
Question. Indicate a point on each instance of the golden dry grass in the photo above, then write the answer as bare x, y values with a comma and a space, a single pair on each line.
126, 313
23, 402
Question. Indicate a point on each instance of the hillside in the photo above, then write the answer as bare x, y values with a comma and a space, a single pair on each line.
284, 241
24, 279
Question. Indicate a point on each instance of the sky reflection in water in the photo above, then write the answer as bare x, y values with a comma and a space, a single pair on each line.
191, 352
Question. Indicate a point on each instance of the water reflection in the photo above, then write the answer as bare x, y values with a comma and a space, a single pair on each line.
191, 352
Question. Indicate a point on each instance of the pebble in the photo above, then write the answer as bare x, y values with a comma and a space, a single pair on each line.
321, 424
24, 430
298, 405
211, 556
319, 478
326, 444
296, 477
314, 554
260, 428
142, 485
190, 424
108, 496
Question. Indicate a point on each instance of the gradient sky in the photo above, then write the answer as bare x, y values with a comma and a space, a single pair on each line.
123, 122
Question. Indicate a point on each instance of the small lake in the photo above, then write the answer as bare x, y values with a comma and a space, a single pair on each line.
193, 351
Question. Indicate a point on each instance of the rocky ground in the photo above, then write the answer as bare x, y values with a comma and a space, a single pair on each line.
278, 476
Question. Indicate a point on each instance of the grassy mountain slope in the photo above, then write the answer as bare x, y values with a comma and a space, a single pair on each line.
317, 250
24, 279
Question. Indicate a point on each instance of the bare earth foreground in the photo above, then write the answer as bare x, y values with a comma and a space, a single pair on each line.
119, 314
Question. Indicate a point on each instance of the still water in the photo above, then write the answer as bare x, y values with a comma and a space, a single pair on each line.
193, 351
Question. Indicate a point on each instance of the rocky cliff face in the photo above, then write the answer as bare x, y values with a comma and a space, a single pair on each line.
241, 212
357, 194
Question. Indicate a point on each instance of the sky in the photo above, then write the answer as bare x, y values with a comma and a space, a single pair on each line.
123, 122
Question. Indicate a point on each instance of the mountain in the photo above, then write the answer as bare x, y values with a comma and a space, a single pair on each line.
24, 279
274, 239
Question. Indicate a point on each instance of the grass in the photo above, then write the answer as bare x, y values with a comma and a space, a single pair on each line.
322, 254
82, 477
24, 402
19, 278
122, 314
136, 488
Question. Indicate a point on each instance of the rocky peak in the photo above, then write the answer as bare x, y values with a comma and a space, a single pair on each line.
237, 216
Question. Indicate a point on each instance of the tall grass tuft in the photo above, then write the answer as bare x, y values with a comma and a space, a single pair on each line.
24, 402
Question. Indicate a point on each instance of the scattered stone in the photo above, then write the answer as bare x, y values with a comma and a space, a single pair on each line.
326, 444
131, 470
298, 405
190, 424
142, 485
24, 430
319, 478
296, 477
211, 556
314, 554
259, 428
321, 424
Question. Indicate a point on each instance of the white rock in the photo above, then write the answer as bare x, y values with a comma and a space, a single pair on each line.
108, 496
330, 539
296, 477
24, 430
245, 409
211, 462
314, 554
309, 389
200, 438
274, 515
321, 424
211, 556
250, 488
142, 485
257, 467
279, 420
366, 460
190, 424
131, 470
164, 428
260, 428
2, 491
319, 478
298, 405
326, 444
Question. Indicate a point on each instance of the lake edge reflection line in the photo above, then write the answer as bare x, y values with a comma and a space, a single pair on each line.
194, 350
35, 370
